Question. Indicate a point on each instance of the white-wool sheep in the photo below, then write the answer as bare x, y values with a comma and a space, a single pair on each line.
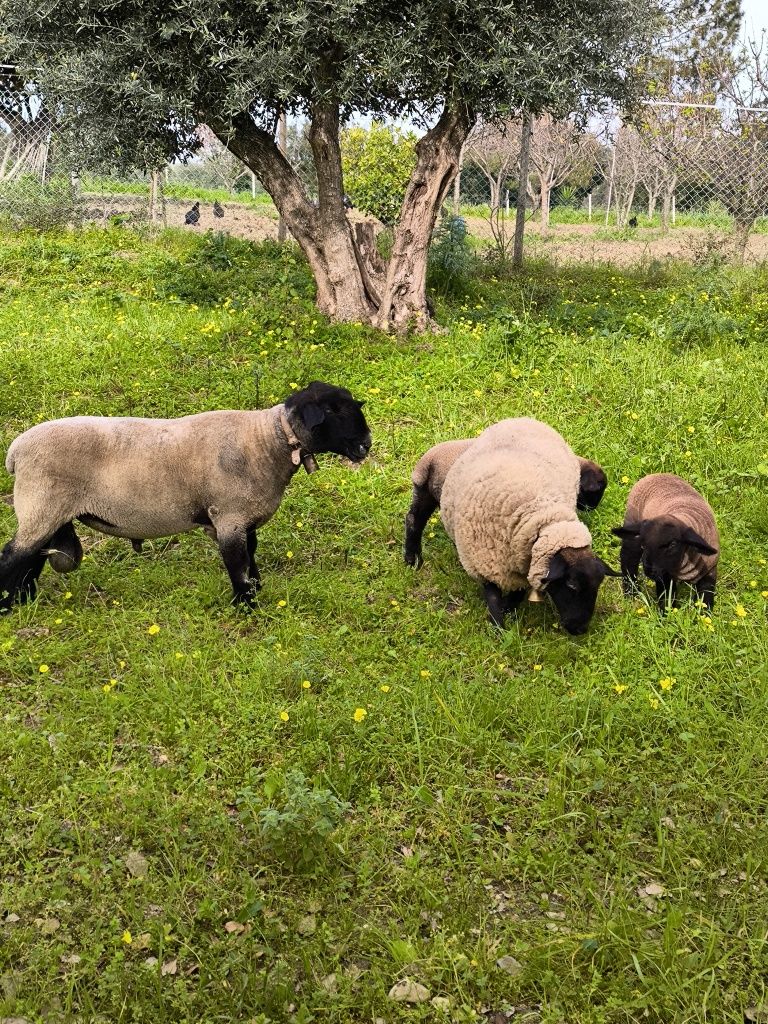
509, 504
225, 471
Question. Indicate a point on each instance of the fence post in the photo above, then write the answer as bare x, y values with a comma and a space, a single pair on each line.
673, 209
282, 141
522, 190
589, 206
253, 185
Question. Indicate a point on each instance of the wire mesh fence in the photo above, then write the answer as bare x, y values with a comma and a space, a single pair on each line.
682, 179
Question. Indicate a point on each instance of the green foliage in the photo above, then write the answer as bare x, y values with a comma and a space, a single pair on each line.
451, 259
293, 818
27, 203
377, 163
497, 808
161, 72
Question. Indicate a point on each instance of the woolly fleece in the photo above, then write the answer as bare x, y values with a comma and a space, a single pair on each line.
509, 503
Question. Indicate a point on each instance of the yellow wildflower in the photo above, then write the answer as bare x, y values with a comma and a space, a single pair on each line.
44, 669
537, 668
359, 714
741, 611
625, 479
620, 687
425, 673
764, 593
281, 604
306, 684
154, 629
127, 937
284, 716
289, 554
667, 683
385, 688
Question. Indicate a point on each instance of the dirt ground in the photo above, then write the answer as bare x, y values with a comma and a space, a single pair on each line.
580, 243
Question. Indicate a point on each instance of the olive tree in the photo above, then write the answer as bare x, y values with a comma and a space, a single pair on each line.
133, 80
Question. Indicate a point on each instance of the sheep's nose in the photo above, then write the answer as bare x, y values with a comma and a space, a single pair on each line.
365, 447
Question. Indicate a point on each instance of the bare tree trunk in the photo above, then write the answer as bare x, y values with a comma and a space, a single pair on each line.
522, 190
545, 190
742, 227
404, 298
457, 186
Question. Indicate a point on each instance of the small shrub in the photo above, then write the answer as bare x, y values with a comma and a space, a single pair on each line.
451, 259
377, 165
293, 818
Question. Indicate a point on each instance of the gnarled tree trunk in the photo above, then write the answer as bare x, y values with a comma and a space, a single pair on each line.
352, 282
438, 153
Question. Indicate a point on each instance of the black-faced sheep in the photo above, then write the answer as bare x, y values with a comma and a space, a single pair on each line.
225, 471
429, 475
509, 504
671, 528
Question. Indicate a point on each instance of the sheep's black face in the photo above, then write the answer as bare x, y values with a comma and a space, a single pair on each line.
573, 580
665, 543
333, 419
591, 486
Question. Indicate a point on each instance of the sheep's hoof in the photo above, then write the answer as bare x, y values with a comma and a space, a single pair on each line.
246, 600
413, 558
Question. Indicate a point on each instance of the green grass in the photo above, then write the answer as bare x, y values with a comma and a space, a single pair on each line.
508, 794
171, 190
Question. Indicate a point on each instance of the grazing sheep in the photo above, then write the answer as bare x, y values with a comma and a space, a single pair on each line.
671, 528
192, 217
509, 504
429, 475
225, 471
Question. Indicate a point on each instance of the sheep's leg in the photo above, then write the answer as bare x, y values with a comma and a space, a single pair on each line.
253, 569
137, 545
631, 553
705, 590
513, 600
666, 591
422, 507
233, 545
497, 605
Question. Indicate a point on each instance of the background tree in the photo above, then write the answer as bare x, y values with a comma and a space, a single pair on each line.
377, 163
560, 152
133, 80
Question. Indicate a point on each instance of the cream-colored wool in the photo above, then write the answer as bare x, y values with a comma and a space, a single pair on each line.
143, 478
663, 495
509, 503
432, 468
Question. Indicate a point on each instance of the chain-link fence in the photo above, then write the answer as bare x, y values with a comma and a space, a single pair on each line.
684, 179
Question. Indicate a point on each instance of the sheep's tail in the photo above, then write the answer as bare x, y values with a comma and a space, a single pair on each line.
10, 459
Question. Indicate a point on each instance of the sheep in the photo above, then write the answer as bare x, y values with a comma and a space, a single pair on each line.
225, 471
429, 475
671, 528
509, 505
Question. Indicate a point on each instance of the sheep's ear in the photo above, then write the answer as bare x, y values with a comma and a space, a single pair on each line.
609, 571
627, 531
311, 415
557, 569
694, 540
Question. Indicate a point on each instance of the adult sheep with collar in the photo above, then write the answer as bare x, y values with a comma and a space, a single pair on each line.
225, 471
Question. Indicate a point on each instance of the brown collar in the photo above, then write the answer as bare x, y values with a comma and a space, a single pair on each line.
298, 457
